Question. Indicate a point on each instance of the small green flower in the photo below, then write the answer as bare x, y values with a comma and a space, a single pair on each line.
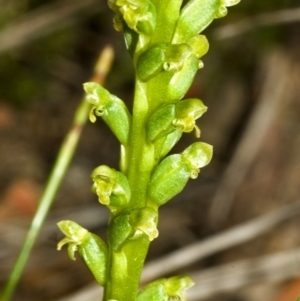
171, 175
180, 117
111, 186
139, 15
130, 224
197, 156
182, 80
112, 109
170, 57
144, 220
90, 247
176, 56
187, 112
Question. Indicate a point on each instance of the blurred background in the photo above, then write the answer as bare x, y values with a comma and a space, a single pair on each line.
251, 85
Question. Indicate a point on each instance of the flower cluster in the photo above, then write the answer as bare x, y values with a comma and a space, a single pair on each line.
163, 38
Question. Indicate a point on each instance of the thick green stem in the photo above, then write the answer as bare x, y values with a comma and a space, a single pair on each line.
125, 270
141, 159
125, 266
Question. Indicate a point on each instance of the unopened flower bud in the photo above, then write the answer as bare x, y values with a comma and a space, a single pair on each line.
171, 175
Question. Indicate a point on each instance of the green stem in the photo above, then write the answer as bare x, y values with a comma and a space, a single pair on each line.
125, 268
55, 179
141, 155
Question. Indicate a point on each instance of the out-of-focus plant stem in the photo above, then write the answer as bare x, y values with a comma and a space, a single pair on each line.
63, 160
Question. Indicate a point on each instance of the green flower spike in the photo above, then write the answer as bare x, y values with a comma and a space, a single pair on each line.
112, 110
90, 247
164, 40
111, 186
